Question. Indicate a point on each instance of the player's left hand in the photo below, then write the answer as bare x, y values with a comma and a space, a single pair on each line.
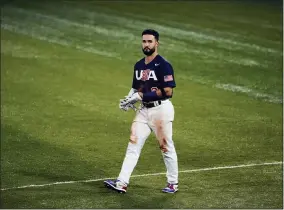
131, 99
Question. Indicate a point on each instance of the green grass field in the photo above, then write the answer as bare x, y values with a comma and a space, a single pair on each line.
65, 65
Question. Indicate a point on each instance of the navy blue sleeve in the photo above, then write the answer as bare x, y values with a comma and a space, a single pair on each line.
168, 78
135, 82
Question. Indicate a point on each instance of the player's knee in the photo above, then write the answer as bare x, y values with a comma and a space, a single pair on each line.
134, 149
133, 139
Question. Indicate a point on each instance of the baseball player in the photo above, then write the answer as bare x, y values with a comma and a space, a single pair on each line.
153, 83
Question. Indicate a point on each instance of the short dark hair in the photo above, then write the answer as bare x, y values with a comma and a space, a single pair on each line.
151, 32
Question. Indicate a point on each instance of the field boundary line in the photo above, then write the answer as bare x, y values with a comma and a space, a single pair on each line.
144, 175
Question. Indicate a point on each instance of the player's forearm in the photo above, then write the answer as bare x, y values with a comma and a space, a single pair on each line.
156, 95
150, 96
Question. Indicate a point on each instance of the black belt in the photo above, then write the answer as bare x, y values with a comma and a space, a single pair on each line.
152, 104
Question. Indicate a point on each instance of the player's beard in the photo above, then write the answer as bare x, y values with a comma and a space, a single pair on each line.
148, 51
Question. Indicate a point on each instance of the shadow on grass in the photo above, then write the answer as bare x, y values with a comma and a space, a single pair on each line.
26, 160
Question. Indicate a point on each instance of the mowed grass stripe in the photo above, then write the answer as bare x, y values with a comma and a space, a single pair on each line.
111, 13
16, 28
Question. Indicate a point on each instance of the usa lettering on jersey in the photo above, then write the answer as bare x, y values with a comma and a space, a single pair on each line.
145, 75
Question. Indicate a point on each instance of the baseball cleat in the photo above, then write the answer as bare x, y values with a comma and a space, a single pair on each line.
171, 188
116, 185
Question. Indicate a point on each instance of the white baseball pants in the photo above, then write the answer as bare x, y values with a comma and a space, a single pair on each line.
158, 119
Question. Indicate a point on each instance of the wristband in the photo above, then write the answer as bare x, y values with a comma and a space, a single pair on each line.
151, 96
